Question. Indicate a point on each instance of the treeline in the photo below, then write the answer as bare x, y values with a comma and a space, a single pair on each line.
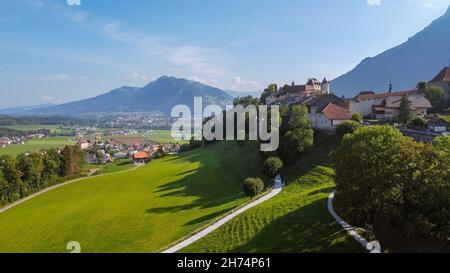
398, 187
7, 132
26, 174
51, 120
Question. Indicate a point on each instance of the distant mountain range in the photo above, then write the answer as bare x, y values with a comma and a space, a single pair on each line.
22, 109
420, 58
157, 97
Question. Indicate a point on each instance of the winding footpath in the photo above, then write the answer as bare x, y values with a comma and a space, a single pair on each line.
372, 247
12, 205
278, 187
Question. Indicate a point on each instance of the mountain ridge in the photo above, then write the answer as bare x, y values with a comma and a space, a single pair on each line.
421, 57
156, 97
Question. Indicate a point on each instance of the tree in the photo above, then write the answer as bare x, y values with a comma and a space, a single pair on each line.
269, 91
300, 136
246, 101
399, 186
3, 189
347, 127
72, 160
357, 117
253, 186
11, 172
435, 95
419, 122
52, 163
272, 167
32, 168
422, 85
405, 113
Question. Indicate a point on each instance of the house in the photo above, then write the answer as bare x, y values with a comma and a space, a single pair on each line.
385, 106
141, 157
290, 94
326, 111
120, 155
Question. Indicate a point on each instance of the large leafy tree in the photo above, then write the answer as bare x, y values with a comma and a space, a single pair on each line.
435, 95
32, 167
399, 186
299, 137
16, 187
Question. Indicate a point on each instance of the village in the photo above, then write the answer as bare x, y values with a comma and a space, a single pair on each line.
327, 111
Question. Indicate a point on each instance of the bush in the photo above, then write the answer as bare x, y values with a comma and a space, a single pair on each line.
253, 186
419, 122
347, 127
357, 117
272, 167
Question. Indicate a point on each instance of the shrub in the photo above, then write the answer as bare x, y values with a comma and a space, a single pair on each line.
357, 117
347, 127
253, 186
272, 167
419, 122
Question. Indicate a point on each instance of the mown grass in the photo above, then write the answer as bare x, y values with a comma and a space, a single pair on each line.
162, 137
142, 210
35, 145
296, 220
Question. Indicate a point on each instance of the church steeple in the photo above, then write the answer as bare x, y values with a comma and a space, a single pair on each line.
390, 87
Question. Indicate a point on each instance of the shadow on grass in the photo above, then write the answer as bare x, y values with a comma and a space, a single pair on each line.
307, 229
216, 183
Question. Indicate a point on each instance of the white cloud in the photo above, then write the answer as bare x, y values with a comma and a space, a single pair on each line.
373, 2
238, 84
210, 81
136, 76
46, 98
73, 2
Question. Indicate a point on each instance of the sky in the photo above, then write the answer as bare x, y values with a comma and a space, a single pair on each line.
55, 51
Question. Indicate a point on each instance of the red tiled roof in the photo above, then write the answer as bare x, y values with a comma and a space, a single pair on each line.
141, 155
334, 112
371, 95
443, 76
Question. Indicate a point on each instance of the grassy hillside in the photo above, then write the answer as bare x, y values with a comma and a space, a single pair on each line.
137, 211
36, 145
297, 220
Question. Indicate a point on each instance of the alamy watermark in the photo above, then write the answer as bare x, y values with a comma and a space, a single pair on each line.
232, 123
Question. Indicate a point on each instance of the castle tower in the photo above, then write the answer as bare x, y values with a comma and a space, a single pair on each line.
325, 86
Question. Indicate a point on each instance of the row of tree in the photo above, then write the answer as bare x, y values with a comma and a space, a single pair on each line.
396, 185
26, 174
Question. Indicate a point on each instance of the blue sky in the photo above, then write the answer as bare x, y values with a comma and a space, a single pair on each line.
52, 52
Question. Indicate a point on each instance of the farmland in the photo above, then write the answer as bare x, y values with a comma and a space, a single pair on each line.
142, 210
35, 145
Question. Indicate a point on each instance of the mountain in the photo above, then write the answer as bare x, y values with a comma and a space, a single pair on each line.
157, 97
21, 109
420, 58
236, 94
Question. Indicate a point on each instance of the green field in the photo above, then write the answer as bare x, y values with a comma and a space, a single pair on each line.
36, 145
161, 137
143, 210
296, 220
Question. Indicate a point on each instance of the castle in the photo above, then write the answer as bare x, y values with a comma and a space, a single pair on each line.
291, 94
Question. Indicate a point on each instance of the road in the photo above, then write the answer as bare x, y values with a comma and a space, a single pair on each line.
278, 187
